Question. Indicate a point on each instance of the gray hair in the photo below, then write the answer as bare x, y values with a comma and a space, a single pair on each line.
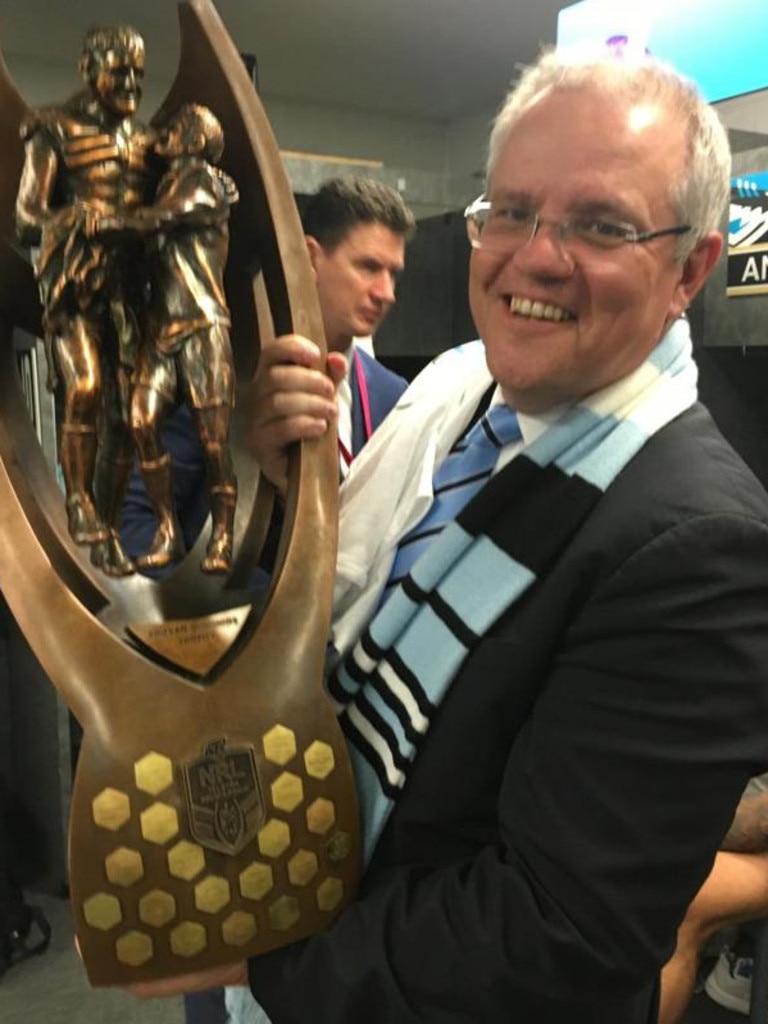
703, 191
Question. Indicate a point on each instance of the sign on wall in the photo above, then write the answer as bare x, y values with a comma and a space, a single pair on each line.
748, 235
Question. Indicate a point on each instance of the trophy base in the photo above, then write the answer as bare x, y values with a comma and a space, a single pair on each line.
190, 863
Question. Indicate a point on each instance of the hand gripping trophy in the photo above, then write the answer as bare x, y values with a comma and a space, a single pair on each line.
213, 813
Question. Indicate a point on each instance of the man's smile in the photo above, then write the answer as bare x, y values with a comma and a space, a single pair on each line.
536, 310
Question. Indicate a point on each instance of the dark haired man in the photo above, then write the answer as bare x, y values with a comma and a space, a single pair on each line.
356, 231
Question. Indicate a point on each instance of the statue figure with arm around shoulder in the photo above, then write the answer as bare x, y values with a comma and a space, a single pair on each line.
188, 355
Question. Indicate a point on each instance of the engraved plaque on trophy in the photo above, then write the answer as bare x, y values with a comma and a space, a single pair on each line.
214, 814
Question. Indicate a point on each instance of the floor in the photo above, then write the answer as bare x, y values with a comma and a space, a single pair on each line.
703, 1011
53, 989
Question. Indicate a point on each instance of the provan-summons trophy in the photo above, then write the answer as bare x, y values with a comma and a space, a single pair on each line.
214, 815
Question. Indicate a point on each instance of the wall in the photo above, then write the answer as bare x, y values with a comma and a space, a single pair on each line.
414, 156
731, 337
36, 764
733, 384
432, 309
749, 112
740, 320
465, 155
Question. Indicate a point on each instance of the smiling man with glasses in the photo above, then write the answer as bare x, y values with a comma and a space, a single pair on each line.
551, 661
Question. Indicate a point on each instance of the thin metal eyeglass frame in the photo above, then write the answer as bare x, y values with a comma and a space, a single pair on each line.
562, 227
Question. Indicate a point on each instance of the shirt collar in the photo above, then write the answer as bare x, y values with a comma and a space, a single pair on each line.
532, 427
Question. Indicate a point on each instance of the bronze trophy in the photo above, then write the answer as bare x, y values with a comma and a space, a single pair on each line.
214, 814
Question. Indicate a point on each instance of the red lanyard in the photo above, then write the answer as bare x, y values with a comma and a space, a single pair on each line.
346, 455
365, 404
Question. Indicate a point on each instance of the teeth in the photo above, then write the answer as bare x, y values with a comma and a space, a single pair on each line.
538, 310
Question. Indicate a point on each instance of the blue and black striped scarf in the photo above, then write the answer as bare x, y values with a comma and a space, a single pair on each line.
394, 677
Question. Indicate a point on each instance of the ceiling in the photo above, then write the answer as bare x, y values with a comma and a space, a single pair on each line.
440, 59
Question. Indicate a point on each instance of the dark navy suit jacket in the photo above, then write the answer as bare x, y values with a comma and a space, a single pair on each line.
384, 388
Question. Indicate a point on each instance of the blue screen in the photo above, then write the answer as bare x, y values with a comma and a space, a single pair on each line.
721, 44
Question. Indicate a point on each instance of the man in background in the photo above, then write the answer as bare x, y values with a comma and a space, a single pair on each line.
356, 232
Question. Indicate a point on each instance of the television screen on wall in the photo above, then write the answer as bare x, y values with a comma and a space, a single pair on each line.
721, 44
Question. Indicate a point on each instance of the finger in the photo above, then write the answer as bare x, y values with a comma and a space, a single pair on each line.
337, 367
269, 444
286, 431
293, 416
296, 399
291, 378
290, 348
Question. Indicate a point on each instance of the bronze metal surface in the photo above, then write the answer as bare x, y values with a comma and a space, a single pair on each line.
214, 813
195, 645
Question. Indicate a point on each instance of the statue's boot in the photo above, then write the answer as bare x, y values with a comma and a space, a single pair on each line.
78, 462
167, 544
218, 555
112, 475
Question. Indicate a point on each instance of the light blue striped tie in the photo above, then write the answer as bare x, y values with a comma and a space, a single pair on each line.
461, 475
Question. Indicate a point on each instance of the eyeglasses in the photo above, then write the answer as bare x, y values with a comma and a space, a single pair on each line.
505, 227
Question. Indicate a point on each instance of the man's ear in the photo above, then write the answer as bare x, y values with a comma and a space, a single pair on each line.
314, 249
698, 266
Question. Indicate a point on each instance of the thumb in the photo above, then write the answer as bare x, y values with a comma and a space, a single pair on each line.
336, 367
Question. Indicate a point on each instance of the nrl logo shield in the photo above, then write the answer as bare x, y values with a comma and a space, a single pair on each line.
223, 797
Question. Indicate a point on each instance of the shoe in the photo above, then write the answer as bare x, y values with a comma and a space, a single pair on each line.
730, 983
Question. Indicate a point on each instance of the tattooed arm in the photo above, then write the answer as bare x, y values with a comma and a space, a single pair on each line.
749, 830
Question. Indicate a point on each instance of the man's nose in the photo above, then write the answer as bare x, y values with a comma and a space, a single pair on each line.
546, 245
384, 287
